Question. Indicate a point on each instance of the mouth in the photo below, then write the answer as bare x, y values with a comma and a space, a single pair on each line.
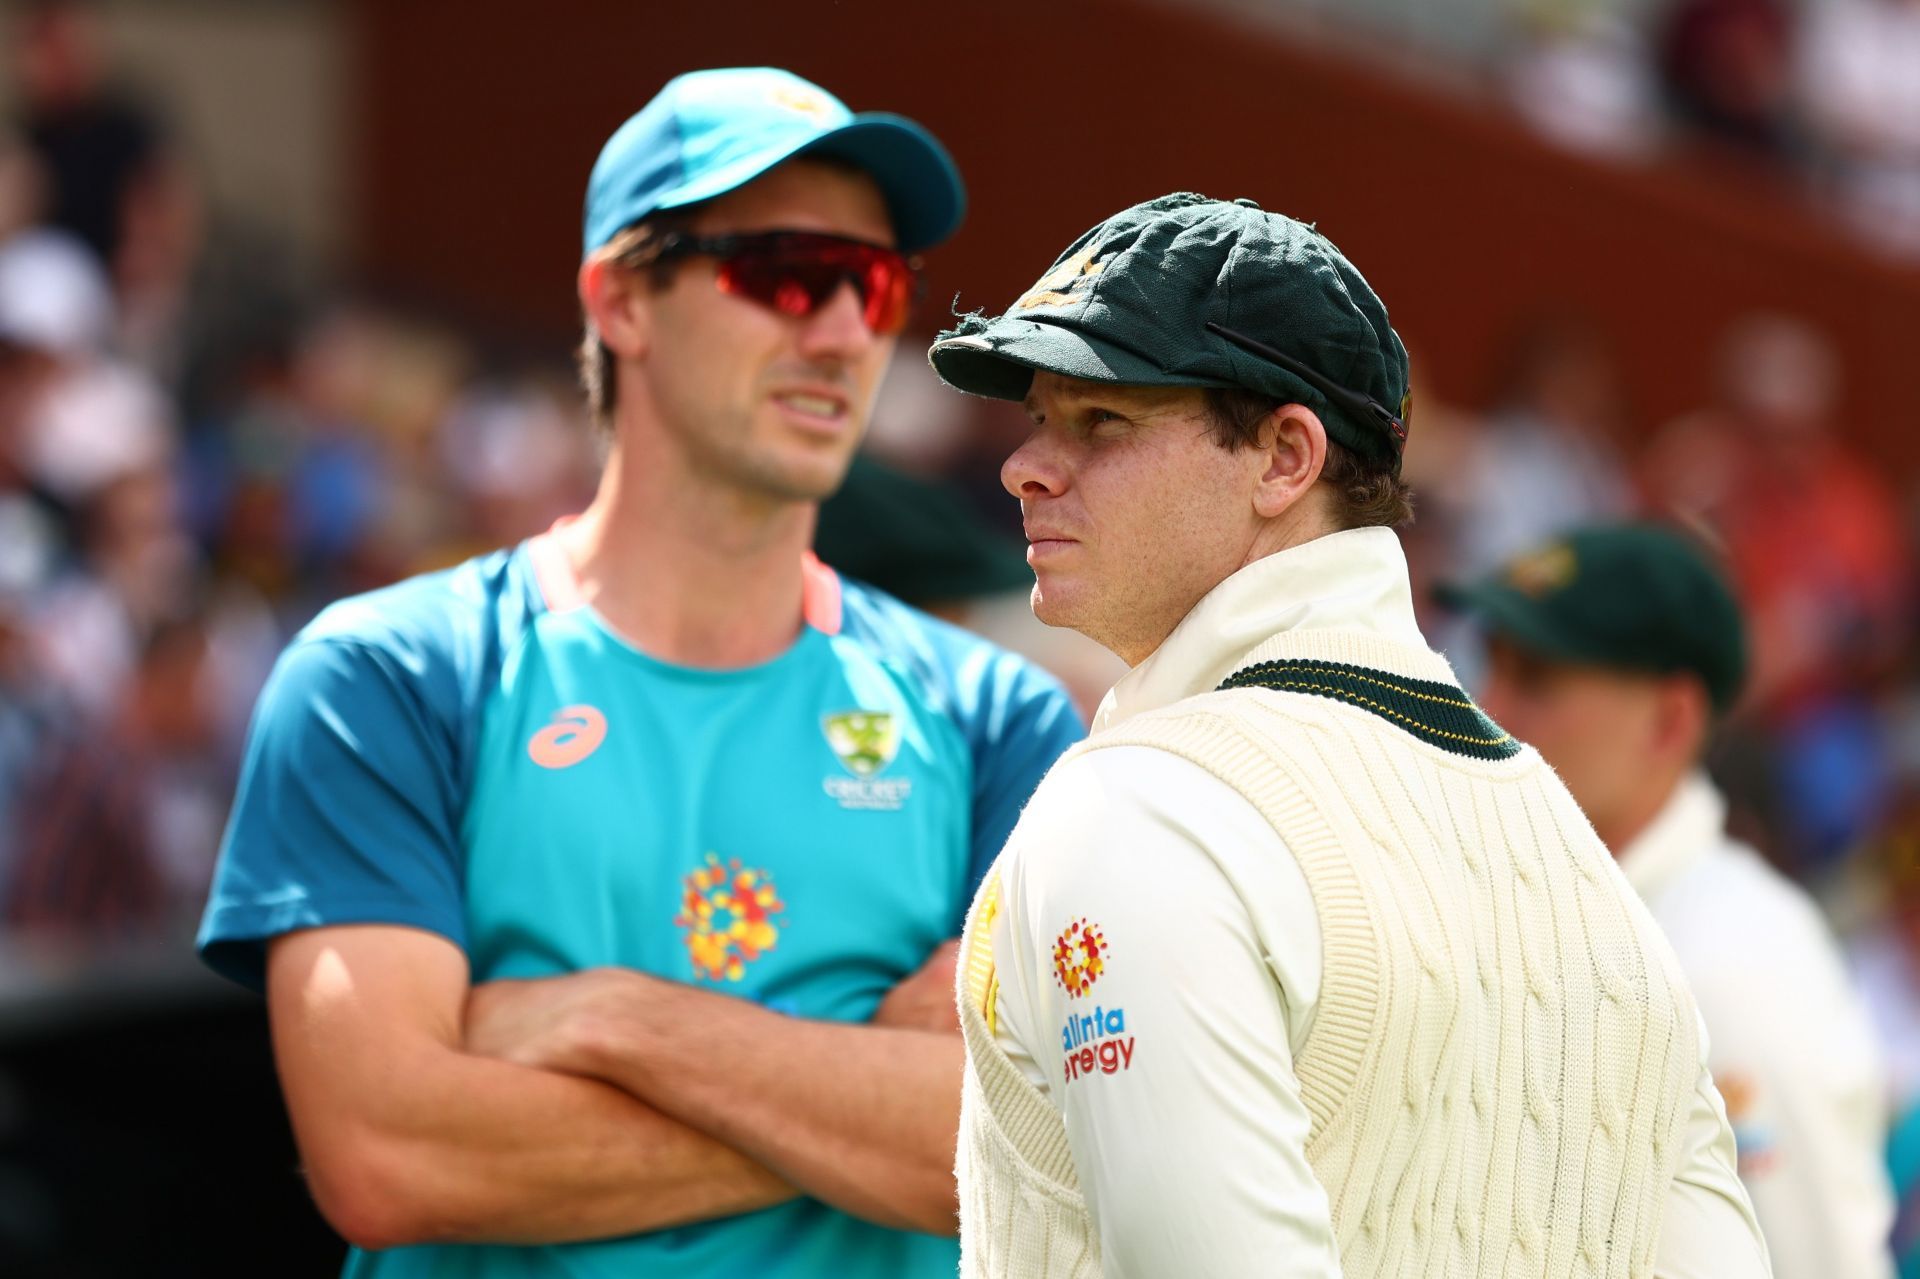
1042, 543
822, 411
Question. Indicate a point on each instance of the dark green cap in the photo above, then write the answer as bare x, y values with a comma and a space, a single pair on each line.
1637, 597
1130, 302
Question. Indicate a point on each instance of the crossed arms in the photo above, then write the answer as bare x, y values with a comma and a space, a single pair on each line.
597, 1104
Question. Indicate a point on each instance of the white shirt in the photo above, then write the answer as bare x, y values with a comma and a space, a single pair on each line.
1198, 1167
1792, 1051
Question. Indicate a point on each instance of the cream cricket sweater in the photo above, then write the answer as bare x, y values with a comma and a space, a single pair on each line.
1501, 1061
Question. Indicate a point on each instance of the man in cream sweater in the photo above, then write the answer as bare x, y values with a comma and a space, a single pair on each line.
1613, 651
1300, 966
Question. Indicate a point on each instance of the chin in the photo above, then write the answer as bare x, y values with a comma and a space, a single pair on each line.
1050, 607
811, 480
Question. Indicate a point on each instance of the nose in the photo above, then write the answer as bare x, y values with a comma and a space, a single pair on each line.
838, 330
1033, 470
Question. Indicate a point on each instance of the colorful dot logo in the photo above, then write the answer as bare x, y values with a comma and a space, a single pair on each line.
1079, 957
726, 916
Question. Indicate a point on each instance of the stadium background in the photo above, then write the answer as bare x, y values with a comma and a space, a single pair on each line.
1644, 252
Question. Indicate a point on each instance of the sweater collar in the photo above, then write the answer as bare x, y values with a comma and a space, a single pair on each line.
1687, 827
1345, 596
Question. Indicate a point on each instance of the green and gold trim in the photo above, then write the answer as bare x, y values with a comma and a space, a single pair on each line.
1439, 714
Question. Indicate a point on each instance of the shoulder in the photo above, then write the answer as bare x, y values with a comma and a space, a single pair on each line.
1109, 812
428, 641
1735, 920
444, 615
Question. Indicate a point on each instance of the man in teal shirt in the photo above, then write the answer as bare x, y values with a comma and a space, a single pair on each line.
601, 887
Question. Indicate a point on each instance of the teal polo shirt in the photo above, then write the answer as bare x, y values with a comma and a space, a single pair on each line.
476, 754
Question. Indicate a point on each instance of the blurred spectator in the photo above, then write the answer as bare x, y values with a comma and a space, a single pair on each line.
321, 474
1860, 83
520, 457
1546, 459
1818, 554
1578, 72
74, 857
1812, 531
1726, 67
97, 148
110, 176
93, 439
1446, 441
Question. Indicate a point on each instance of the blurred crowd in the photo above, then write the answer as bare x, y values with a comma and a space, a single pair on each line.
1824, 91
196, 455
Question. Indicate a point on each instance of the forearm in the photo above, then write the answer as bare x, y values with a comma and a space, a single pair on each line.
863, 1117
406, 1138
482, 1151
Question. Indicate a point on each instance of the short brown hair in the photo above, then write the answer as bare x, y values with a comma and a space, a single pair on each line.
1367, 494
633, 249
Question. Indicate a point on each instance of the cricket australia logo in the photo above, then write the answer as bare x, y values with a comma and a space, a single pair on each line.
1066, 283
866, 742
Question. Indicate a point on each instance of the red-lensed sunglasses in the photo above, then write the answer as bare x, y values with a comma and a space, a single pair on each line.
798, 272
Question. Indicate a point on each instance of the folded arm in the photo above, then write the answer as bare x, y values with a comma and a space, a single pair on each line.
408, 1138
864, 1117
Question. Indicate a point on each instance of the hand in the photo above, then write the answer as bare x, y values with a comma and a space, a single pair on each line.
925, 1000
552, 1023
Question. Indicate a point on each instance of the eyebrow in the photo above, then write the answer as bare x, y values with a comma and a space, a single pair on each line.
1101, 397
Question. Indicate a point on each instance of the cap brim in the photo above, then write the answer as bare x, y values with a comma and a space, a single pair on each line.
1508, 613
999, 361
917, 177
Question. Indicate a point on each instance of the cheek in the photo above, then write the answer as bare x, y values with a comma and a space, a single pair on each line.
870, 372
1591, 742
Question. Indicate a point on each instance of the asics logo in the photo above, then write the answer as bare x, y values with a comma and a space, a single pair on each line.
575, 733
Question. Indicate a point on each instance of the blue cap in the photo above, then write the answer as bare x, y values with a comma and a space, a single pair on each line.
708, 132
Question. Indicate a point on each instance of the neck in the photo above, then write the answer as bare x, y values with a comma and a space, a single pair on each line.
1298, 525
1618, 830
694, 574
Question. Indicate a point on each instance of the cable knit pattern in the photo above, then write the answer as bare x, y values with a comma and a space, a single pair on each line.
1499, 1069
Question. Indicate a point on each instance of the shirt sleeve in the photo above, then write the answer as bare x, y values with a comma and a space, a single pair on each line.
1708, 1230
1151, 1002
1024, 721
1803, 1098
346, 812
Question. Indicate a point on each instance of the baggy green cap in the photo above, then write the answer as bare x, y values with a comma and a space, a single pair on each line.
1130, 302
1635, 597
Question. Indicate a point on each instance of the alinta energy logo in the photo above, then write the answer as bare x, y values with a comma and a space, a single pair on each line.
1091, 1042
1079, 957
866, 742
726, 915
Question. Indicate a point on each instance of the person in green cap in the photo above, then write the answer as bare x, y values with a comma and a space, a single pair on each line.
1301, 965
1615, 651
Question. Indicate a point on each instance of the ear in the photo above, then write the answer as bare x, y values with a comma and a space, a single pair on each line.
619, 305
1684, 719
1292, 451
